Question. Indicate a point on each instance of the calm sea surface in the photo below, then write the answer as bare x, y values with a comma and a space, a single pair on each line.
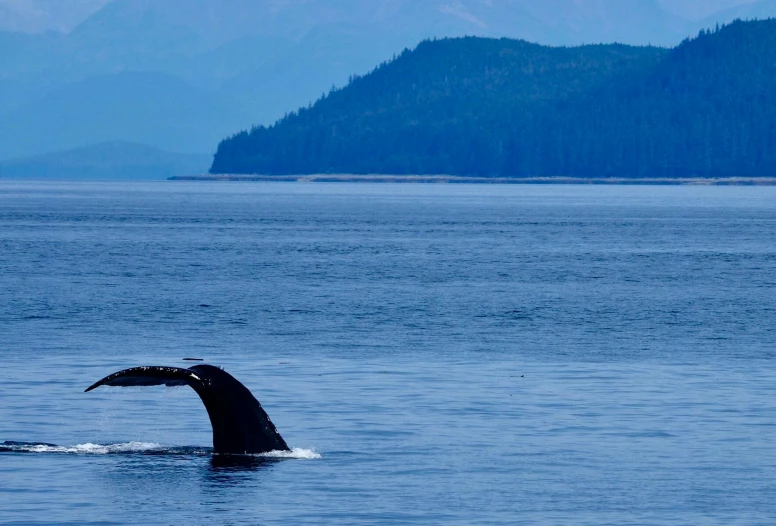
434, 354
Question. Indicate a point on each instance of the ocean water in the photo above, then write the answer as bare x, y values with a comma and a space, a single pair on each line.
434, 354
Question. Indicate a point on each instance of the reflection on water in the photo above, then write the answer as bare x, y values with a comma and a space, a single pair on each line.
225, 464
234, 470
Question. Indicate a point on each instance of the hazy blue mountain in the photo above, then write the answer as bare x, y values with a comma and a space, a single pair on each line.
759, 9
696, 10
238, 63
150, 108
602, 21
111, 160
170, 35
38, 16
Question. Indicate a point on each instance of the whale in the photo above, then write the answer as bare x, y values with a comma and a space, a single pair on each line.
240, 424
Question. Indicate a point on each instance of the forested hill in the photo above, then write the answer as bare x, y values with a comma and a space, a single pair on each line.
485, 107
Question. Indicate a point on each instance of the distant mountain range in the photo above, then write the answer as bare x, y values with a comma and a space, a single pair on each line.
40, 16
111, 160
299, 16
697, 10
509, 108
180, 74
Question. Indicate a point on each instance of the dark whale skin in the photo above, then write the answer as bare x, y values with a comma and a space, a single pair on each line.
240, 424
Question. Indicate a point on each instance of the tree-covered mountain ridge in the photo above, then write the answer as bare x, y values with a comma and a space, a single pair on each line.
509, 108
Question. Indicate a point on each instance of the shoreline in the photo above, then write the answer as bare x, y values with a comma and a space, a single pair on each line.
454, 179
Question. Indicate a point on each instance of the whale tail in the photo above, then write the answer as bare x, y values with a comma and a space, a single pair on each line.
240, 424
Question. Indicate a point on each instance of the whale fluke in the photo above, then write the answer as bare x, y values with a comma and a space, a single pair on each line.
240, 424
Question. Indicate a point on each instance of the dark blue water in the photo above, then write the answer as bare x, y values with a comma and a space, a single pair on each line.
434, 354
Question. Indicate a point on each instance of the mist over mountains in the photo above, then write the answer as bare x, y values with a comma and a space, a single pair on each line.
182, 74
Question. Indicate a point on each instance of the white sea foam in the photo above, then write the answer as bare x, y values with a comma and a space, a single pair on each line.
91, 449
140, 447
297, 452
